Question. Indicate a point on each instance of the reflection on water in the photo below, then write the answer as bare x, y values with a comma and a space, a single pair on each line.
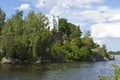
57, 71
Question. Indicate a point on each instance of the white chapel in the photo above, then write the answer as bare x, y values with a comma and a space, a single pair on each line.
53, 22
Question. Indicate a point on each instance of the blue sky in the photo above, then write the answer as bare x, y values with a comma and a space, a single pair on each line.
101, 17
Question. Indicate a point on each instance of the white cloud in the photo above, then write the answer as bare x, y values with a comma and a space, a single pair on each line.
100, 41
86, 1
103, 8
51, 3
105, 30
44, 4
24, 7
55, 11
101, 14
94, 16
63, 4
60, 8
115, 17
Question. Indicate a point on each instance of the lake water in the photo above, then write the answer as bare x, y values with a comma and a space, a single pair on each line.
58, 71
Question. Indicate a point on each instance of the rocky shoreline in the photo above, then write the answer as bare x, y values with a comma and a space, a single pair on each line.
96, 57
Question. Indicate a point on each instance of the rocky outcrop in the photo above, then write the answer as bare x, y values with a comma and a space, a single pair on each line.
12, 61
96, 57
17, 61
112, 57
56, 36
6, 60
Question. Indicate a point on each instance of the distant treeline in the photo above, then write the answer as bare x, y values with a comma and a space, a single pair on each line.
114, 52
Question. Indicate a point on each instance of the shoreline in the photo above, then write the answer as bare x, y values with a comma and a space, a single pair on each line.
17, 61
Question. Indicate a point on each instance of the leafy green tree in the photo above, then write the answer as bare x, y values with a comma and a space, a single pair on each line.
71, 30
26, 39
43, 44
116, 75
87, 41
68, 51
35, 37
74, 31
57, 51
75, 53
2, 19
63, 26
85, 52
11, 33
104, 48
103, 51
76, 41
76, 48
87, 34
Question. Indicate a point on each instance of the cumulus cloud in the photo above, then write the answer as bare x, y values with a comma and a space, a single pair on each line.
24, 7
60, 8
44, 4
51, 3
68, 5
105, 30
55, 11
94, 16
115, 17
99, 41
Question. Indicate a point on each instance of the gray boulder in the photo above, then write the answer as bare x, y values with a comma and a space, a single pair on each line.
6, 60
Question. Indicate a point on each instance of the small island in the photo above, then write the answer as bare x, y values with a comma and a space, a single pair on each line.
31, 40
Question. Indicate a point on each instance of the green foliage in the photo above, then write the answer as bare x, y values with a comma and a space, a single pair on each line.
34, 34
114, 53
74, 52
11, 33
103, 51
75, 48
116, 75
71, 30
85, 52
87, 34
63, 26
27, 39
76, 41
2, 19
1, 56
87, 41
67, 51
116, 72
54, 31
74, 31
103, 78
57, 51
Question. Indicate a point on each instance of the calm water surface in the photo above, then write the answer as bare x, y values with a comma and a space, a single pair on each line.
57, 71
